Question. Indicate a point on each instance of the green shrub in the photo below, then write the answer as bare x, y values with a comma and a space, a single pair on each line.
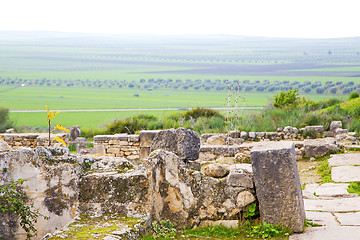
5, 122
288, 99
201, 112
131, 125
354, 94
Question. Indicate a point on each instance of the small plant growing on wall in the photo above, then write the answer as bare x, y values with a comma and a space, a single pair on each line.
13, 200
50, 116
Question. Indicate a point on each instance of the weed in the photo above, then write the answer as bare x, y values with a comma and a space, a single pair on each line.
252, 211
325, 171
266, 230
164, 229
13, 200
354, 187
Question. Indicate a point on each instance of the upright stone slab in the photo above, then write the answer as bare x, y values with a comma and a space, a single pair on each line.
170, 195
185, 143
277, 185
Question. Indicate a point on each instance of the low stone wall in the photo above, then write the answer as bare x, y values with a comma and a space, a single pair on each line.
32, 140
118, 145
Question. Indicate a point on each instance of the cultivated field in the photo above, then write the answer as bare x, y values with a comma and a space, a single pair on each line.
82, 71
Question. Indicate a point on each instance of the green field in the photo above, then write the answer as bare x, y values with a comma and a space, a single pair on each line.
81, 71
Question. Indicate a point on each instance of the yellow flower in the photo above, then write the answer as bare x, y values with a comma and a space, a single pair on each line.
50, 114
60, 140
59, 127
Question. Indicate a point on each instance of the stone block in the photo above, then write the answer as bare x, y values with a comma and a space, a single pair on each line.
239, 178
278, 185
318, 129
319, 147
244, 198
244, 135
252, 135
133, 138
335, 125
234, 134
185, 143
340, 131
144, 152
99, 149
98, 138
113, 150
146, 137
216, 171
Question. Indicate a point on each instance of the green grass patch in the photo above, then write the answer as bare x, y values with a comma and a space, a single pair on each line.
325, 171
354, 187
247, 230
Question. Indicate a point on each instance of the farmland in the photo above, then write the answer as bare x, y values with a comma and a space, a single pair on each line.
83, 71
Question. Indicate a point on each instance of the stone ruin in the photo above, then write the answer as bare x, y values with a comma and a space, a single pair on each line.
169, 183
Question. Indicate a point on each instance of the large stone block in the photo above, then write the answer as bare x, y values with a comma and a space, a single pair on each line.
146, 137
170, 195
183, 142
277, 185
319, 147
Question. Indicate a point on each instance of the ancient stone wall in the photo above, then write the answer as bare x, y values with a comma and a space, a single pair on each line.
32, 140
118, 145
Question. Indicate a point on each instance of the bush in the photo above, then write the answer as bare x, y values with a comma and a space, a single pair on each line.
5, 122
354, 94
288, 99
201, 112
131, 125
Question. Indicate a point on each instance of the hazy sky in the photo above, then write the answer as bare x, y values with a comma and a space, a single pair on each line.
280, 18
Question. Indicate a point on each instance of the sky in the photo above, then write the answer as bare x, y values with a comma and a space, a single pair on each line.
272, 18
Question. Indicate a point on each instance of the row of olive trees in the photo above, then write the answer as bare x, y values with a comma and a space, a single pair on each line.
318, 87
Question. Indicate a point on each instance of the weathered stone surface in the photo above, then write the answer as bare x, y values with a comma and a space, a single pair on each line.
99, 149
333, 205
322, 218
183, 142
244, 135
245, 198
239, 178
50, 184
113, 192
241, 167
335, 125
319, 147
344, 160
290, 130
315, 233
146, 137
234, 134
4, 146
332, 190
277, 184
75, 132
216, 171
340, 131
345, 173
220, 139
170, 195
252, 135
348, 219
318, 129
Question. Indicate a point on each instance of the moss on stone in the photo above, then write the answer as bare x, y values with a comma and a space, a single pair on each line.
87, 227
